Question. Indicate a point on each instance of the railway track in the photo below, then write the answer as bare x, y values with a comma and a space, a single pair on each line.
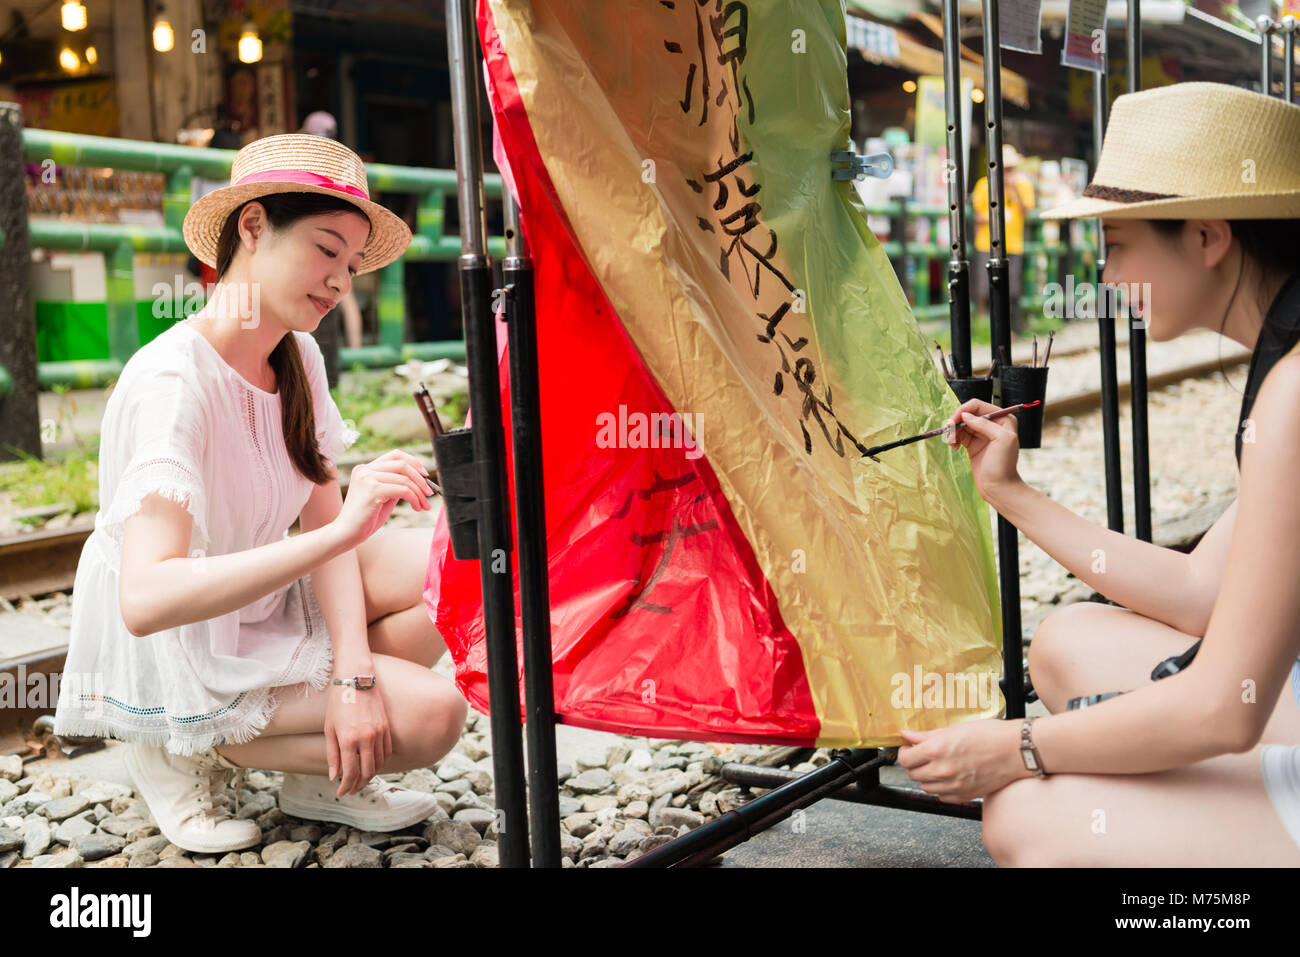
43, 562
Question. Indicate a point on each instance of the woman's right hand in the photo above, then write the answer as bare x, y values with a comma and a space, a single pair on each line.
992, 444
374, 490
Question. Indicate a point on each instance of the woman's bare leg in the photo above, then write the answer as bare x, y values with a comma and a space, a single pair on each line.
393, 563
425, 711
426, 715
1212, 813
1090, 648
1215, 813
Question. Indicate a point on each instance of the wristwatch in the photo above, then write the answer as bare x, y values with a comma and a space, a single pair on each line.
360, 682
1030, 753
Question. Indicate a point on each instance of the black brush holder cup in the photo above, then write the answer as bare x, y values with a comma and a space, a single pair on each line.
459, 473
1013, 385
977, 388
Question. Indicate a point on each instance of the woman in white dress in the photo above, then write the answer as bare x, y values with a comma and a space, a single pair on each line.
1198, 188
216, 641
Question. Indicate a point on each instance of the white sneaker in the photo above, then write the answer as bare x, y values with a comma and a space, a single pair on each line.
379, 806
187, 797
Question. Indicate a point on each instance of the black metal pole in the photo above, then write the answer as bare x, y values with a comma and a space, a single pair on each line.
1264, 25
736, 827
958, 265
1288, 68
489, 439
1013, 668
530, 516
1106, 327
1137, 334
867, 789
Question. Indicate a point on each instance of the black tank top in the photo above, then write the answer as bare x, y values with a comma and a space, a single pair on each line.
1279, 335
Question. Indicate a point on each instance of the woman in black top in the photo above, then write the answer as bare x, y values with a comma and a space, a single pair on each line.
1198, 188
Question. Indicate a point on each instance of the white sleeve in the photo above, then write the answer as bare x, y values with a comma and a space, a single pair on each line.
158, 431
332, 435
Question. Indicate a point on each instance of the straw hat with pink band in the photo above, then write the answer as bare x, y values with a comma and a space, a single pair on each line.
296, 163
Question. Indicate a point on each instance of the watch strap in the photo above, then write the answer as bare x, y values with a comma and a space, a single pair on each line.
360, 682
1028, 751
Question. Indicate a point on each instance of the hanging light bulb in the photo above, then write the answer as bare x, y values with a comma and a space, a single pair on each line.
977, 95
909, 86
69, 60
250, 44
163, 38
92, 55
74, 16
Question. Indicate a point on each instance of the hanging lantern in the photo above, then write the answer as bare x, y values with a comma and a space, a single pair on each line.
163, 38
250, 44
69, 60
74, 16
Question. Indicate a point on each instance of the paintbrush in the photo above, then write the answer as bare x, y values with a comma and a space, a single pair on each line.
871, 452
430, 413
942, 361
1049, 349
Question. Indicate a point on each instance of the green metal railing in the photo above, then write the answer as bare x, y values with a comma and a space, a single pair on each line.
120, 242
1043, 260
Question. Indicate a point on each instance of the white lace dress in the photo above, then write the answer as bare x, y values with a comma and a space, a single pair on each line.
183, 423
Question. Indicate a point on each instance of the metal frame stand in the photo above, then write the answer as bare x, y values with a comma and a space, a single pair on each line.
530, 515
1288, 28
1106, 327
958, 264
1013, 668
1137, 331
854, 775
851, 775
480, 499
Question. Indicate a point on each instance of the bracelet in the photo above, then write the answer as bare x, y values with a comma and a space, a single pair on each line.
1028, 751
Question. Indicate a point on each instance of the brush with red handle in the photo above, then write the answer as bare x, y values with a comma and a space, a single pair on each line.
871, 452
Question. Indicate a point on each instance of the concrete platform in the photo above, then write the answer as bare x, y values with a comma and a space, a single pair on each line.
22, 635
841, 834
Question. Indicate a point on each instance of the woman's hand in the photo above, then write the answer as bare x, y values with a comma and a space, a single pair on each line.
374, 490
992, 444
358, 741
964, 761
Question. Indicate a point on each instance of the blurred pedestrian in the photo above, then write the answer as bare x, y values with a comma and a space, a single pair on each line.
1018, 201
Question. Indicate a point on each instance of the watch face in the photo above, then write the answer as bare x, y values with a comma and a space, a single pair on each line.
365, 682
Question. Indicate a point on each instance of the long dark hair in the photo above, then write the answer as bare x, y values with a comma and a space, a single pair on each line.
297, 417
1268, 248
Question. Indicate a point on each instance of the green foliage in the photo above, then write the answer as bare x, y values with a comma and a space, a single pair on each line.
71, 480
365, 391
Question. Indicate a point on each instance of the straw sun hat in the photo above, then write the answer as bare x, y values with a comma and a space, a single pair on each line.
296, 163
1195, 150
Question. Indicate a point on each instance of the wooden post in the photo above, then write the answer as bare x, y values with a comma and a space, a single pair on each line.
20, 426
